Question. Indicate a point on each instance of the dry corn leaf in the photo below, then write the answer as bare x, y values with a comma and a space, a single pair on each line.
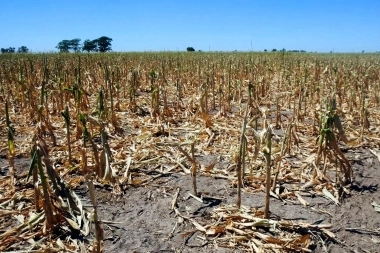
213, 230
72, 223
198, 226
375, 153
269, 239
302, 200
236, 230
330, 196
376, 206
20, 218
60, 243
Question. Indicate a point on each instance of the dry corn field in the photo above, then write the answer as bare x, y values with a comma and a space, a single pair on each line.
189, 152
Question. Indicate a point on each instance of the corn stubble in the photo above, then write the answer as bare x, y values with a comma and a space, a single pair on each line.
95, 117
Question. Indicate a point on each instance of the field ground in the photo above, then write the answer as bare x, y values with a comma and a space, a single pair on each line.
142, 125
149, 222
142, 220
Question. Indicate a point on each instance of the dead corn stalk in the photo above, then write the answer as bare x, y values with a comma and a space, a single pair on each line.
99, 234
241, 159
194, 166
285, 145
11, 147
267, 150
192, 160
66, 115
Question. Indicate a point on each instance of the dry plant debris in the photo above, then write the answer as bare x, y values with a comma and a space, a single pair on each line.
128, 119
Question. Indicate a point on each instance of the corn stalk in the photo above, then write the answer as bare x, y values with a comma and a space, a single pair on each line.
66, 115
11, 146
267, 150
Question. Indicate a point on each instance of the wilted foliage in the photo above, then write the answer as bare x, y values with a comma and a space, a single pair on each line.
128, 119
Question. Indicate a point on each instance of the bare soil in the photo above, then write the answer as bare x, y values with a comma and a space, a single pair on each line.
142, 219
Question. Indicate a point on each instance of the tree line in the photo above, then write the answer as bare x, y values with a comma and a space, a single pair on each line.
102, 44
10, 50
283, 50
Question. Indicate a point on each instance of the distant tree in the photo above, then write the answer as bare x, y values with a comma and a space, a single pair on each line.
64, 46
90, 46
22, 49
75, 45
8, 50
104, 44
190, 49
295, 51
265, 50
274, 50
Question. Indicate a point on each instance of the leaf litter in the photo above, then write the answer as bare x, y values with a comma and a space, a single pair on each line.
123, 147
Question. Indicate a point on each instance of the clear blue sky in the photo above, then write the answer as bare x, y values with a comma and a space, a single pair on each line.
147, 25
